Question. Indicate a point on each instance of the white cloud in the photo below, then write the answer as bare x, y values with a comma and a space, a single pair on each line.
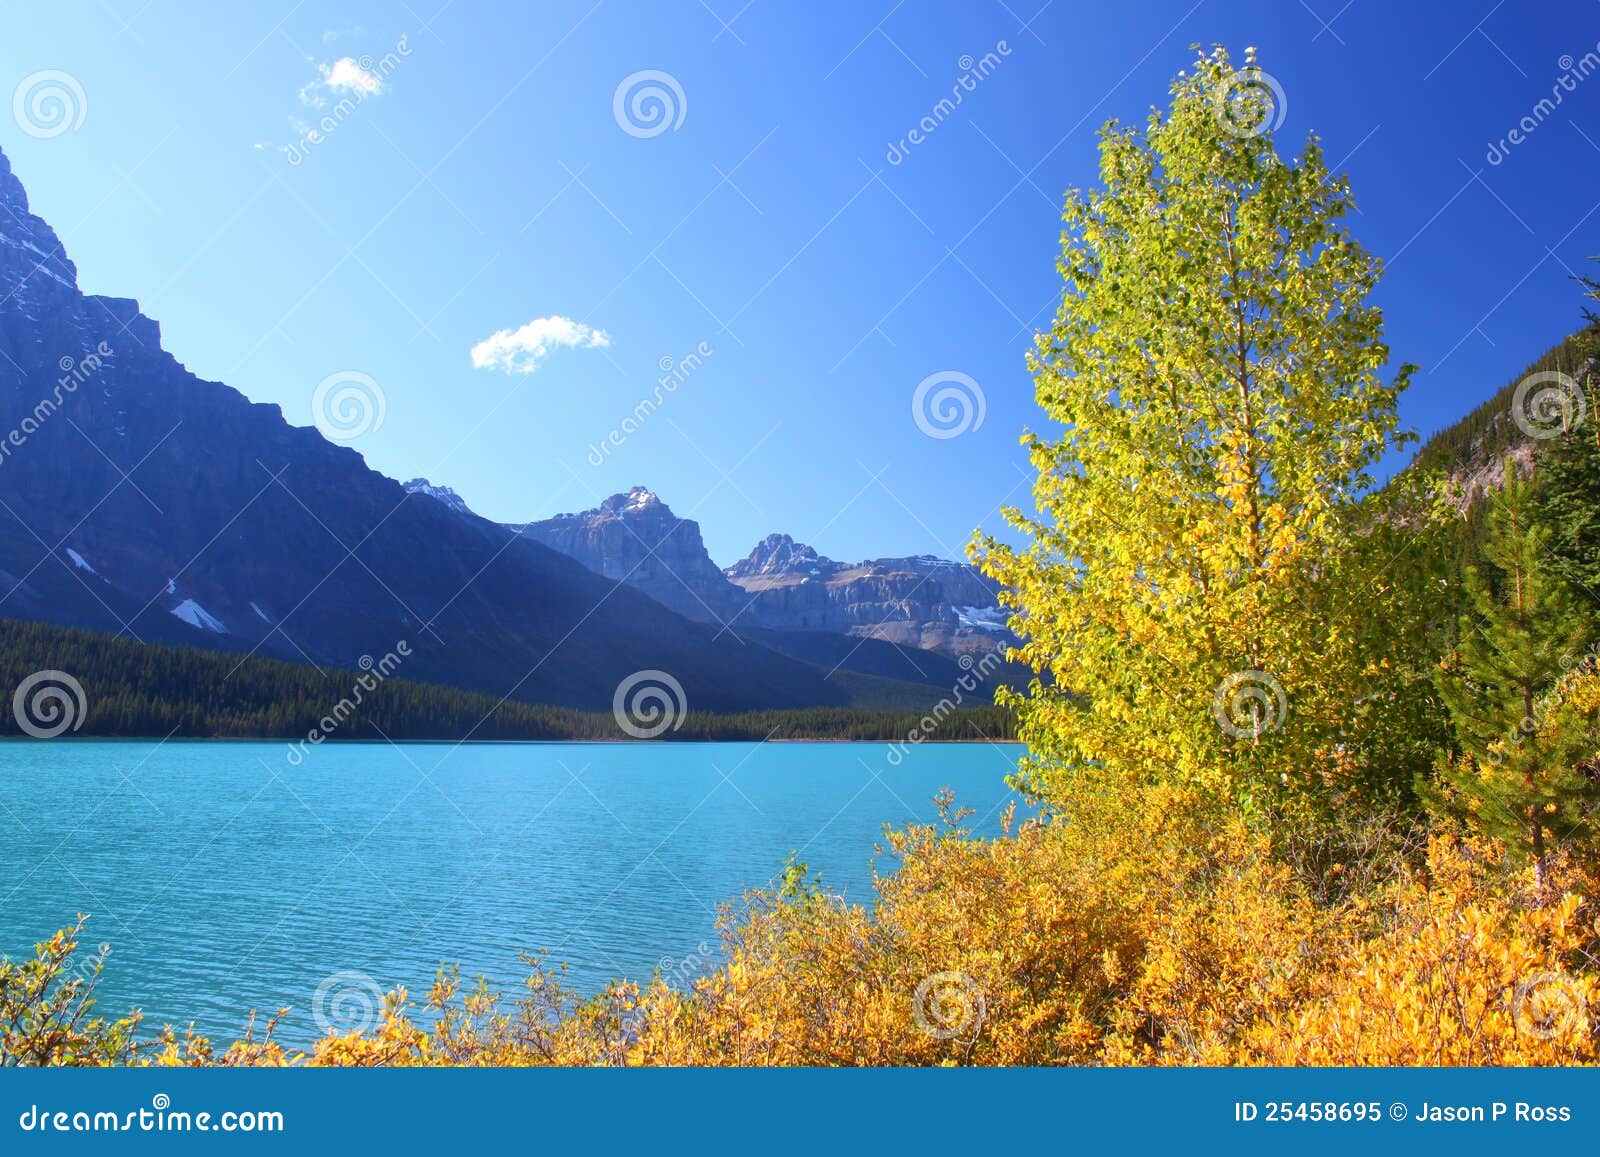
519, 351
347, 75
344, 76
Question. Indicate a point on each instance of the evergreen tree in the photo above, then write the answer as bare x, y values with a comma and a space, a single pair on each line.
1569, 490
1519, 778
1569, 506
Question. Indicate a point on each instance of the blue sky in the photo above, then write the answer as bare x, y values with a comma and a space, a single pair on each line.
486, 182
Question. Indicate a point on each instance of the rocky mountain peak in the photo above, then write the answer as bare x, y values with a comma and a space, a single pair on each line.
12, 195
442, 493
30, 251
780, 554
638, 500
635, 538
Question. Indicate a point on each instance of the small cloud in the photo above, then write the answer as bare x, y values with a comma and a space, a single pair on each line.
519, 351
331, 34
347, 75
344, 76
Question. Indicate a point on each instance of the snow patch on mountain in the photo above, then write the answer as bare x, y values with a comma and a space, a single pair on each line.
983, 618
195, 615
638, 499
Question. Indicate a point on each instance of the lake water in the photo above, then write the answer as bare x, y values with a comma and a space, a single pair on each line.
227, 879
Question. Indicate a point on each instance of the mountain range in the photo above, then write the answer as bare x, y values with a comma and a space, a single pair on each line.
922, 619
142, 501
923, 603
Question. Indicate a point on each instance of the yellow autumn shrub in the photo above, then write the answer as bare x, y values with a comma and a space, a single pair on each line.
1466, 965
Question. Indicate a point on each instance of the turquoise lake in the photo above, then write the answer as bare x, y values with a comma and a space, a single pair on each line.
226, 878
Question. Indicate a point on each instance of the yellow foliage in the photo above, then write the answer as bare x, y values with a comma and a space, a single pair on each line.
1189, 945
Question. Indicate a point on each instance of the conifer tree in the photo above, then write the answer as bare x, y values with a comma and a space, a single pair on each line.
1569, 483
1520, 777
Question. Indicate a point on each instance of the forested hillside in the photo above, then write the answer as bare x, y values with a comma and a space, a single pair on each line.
1490, 429
138, 689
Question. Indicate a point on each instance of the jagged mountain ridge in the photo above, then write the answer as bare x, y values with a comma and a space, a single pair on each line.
142, 500
923, 602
